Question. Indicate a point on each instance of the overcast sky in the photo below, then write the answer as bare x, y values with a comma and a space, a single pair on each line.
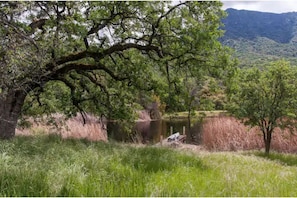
274, 6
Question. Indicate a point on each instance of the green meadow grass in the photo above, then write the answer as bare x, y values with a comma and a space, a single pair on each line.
51, 166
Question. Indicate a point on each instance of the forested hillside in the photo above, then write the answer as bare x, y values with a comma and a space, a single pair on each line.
258, 37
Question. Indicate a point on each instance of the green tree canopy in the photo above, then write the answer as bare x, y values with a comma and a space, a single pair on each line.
101, 52
266, 98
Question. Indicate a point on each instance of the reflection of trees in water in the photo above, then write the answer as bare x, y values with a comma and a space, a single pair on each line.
149, 132
144, 129
195, 133
114, 131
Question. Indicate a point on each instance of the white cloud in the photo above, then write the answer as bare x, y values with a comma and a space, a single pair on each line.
274, 6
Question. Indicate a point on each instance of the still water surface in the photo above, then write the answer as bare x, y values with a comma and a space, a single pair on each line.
149, 132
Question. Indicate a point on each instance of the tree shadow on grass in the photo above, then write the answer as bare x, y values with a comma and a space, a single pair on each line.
286, 159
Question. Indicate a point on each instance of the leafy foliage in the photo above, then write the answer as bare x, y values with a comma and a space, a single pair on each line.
266, 99
99, 56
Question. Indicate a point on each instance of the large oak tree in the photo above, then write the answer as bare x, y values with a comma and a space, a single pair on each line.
90, 46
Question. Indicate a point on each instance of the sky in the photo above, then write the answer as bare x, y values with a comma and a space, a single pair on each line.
274, 6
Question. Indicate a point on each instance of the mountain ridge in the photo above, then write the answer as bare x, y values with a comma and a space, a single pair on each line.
261, 36
247, 24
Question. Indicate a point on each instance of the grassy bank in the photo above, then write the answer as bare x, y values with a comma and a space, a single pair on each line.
196, 114
50, 166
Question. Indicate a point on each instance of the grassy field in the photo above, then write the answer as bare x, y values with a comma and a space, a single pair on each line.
51, 166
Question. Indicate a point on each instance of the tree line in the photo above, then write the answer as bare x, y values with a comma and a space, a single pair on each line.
110, 58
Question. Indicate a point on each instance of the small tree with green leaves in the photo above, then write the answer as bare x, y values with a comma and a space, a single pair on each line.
266, 99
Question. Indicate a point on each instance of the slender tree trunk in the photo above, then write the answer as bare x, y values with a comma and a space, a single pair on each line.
267, 141
10, 110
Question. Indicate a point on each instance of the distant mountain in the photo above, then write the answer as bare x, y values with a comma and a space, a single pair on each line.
249, 25
259, 37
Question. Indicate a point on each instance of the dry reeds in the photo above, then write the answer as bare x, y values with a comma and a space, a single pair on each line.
229, 134
93, 129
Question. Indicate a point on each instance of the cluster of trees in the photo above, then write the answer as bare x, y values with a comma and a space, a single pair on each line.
100, 57
110, 58
261, 50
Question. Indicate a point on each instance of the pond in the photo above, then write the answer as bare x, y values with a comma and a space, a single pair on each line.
149, 132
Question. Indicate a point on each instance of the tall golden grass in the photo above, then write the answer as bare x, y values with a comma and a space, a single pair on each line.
94, 129
229, 134
220, 133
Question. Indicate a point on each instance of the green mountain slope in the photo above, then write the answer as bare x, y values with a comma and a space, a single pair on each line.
258, 37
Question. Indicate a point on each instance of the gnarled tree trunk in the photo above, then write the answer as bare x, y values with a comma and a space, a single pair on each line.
10, 110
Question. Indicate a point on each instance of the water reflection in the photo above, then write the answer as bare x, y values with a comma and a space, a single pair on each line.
149, 132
